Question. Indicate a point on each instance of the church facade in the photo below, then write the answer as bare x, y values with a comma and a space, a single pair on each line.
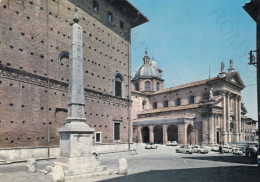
204, 112
34, 44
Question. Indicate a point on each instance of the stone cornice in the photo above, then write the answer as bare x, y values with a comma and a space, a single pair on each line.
23, 76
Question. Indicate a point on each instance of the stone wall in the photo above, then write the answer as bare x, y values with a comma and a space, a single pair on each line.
33, 33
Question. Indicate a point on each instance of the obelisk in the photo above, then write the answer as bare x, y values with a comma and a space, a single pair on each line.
76, 135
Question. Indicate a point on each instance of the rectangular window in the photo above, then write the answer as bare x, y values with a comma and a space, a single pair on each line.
98, 137
205, 96
122, 25
110, 17
155, 105
116, 131
191, 99
95, 6
178, 102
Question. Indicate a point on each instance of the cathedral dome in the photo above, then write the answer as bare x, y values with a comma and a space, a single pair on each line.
148, 69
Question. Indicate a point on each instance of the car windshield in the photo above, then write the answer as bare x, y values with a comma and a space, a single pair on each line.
202, 147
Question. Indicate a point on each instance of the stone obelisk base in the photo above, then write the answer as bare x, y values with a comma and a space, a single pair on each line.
76, 152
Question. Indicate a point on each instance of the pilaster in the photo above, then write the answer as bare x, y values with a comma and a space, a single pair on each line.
151, 134
165, 139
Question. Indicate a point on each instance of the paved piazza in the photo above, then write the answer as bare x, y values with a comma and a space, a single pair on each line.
161, 164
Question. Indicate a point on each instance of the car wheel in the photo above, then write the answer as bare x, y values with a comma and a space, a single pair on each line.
177, 151
199, 151
187, 152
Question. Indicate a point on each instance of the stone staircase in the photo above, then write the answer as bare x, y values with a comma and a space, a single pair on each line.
80, 167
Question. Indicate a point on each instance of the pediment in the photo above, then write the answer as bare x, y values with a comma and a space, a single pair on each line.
235, 79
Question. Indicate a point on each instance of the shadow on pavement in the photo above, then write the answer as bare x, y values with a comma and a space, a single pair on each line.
222, 158
234, 173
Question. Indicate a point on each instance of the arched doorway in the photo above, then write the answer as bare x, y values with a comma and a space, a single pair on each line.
145, 134
172, 133
189, 134
158, 134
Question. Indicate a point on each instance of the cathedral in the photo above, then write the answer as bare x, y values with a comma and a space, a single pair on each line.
204, 112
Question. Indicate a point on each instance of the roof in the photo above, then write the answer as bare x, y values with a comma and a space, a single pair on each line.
202, 82
137, 18
174, 108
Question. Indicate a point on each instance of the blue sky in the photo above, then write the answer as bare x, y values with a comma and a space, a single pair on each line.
188, 37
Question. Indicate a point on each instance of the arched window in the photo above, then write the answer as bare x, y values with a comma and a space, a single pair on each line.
118, 85
143, 104
147, 86
62, 66
155, 105
95, 5
157, 86
165, 103
136, 86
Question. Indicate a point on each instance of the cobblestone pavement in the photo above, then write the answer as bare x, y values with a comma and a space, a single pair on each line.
161, 164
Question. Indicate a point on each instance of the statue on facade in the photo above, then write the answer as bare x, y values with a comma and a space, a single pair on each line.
211, 94
222, 67
230, 63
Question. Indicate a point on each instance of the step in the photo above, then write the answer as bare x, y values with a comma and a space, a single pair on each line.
78, 166
88, 175
84, 171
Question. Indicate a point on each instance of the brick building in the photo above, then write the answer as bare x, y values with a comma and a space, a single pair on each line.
250, 127
34, 44
203, 112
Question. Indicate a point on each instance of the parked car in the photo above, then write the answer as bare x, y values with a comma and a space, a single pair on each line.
150, 146
184, 149
215, 148
199, 149
227, 149
171, 143
237, 151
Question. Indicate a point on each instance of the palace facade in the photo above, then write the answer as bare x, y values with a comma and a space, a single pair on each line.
34, 44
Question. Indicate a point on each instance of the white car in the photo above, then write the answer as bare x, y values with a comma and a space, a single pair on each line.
171, 143
199, 149
227, 149
215, 148
186, 149
150, 146
237, 151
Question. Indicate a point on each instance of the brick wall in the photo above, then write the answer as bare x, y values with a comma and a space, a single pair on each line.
33, 33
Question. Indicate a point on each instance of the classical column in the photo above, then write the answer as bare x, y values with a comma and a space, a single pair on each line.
235, 133
215, 128
211, 129
139, 134
241, 138
205, 129
151, 134
224, 119
228, 116
165, 139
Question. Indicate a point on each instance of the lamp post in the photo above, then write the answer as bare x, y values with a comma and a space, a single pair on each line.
253, 9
